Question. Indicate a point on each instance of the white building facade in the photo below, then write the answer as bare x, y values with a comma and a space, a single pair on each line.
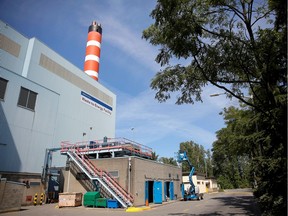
205, 185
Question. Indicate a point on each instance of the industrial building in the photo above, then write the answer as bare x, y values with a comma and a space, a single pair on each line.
44, 100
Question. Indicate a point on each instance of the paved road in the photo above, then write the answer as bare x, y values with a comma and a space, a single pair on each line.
225, 203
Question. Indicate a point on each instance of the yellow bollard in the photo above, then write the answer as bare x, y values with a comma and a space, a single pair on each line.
35, 199
41, 198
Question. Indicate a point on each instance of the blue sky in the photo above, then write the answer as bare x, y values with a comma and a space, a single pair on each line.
126, 67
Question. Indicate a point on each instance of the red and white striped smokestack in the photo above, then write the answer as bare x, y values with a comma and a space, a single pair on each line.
91, 66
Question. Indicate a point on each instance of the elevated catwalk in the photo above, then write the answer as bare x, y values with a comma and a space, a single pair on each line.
108, 148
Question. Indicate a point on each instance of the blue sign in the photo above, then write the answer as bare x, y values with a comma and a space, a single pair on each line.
96, 103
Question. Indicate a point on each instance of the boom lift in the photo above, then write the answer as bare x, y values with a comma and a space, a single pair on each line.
192, 193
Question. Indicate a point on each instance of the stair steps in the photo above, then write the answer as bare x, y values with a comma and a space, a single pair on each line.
103, 177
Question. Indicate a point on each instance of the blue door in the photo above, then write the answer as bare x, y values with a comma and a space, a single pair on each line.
182, 190
146, 193
157, 192
165, 192
171, 190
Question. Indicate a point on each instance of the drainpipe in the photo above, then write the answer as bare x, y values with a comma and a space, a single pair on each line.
129, 174
68, 182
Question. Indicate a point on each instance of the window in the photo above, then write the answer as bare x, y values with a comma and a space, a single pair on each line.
114, 174
3, 85
27, 98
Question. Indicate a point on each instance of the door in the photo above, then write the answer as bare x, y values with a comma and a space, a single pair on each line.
157, 192
165, 192
182, 190
149, 190
146, 193
171, 190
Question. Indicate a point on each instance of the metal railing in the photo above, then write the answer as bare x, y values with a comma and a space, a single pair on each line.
102, 176
109, 144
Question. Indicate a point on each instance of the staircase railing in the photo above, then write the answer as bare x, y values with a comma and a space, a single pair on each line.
110, 180
102, 176
82, 177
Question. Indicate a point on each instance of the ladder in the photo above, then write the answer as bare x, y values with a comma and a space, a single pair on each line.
103, 177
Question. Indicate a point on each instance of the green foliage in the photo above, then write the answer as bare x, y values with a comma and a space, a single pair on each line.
232, 152
235, 45
198, 156
250, 142
280, 6
224, 182
215, 36
154, 156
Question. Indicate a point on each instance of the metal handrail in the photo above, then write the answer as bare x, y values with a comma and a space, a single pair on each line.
94, 172
111, 143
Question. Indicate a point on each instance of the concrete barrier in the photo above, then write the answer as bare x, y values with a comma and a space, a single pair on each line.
11, 194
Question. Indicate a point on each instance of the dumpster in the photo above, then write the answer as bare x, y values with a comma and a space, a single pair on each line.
70, 199
112, 203
90, 198
101, 202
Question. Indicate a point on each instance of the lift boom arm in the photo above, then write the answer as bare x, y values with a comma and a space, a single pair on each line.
182, 156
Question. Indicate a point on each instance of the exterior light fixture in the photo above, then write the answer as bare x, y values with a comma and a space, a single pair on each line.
217, 94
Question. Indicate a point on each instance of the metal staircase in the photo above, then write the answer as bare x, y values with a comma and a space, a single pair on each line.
82, 178
96, 174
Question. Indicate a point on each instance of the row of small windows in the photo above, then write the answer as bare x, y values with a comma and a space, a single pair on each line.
27, 98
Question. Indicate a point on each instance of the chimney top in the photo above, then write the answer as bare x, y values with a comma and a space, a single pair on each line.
95, 27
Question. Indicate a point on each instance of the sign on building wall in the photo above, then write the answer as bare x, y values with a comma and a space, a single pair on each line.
96, 103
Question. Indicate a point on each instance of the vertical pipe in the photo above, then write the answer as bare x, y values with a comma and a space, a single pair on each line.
91, 66
68, 182
129, 175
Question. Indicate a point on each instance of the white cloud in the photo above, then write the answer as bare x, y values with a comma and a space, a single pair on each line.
155, 122
130, 42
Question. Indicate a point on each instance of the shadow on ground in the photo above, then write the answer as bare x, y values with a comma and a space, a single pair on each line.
244, 204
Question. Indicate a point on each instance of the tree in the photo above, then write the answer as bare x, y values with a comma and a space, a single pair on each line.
209, 164
198, 156
235, 45
231, 152
225, 46
154, 156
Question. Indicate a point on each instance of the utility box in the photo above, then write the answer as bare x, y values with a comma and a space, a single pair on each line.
90, 197
70, 199
112, 203
101, 202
